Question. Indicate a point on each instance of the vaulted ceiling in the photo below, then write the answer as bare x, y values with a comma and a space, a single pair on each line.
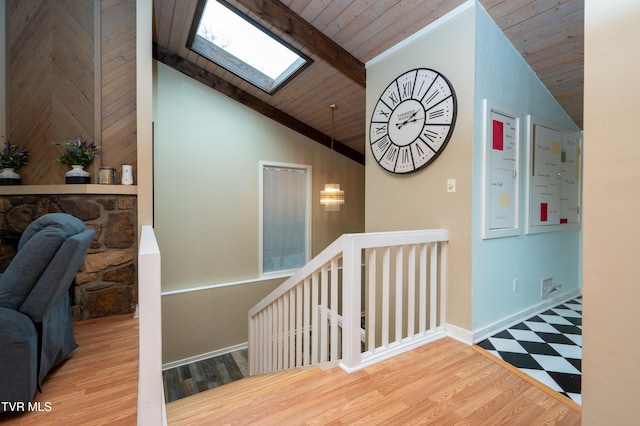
342, 35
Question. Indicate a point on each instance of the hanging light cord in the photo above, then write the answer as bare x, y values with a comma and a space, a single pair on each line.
333, 153
332, 197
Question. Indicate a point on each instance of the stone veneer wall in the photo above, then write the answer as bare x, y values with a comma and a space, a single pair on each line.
107, 281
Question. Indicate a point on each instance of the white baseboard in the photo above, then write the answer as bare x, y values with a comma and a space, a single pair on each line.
201, 357
369, 359
503, 324
460, 334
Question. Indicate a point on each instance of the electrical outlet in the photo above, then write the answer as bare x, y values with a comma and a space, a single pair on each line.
515, 284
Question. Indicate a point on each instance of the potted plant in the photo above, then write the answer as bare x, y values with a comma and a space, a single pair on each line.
12, 158
78, 154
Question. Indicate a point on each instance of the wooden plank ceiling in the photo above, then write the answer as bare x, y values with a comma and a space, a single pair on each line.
341, 35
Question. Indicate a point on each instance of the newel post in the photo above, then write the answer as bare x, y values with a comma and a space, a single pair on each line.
351, 264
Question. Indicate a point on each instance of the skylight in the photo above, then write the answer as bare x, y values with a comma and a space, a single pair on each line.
242, 47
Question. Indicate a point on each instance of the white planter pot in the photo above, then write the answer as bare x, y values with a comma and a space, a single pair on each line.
9, 177
77, 174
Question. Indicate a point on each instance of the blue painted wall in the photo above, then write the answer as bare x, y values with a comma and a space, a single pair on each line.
502, 75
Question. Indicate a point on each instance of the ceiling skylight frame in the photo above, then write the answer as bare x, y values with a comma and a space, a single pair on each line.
237, 66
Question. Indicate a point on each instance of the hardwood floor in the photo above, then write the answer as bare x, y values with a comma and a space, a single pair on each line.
445, 382
97, 385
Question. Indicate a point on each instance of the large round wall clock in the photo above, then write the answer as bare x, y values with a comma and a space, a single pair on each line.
412, 121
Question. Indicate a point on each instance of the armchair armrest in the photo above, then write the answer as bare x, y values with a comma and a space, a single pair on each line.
58, 276
18, 357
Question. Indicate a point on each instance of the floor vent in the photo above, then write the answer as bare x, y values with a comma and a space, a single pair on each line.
547, 287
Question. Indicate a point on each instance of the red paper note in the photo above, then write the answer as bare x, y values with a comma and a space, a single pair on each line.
498, 135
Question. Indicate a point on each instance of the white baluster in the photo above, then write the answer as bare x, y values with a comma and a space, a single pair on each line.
423, 289
411, 292
386, 272
443, 283
299, 325
334, 309
284, 352
292, 328
307, 324
399, 284
315, 331
324, 305
371, 308
433, 287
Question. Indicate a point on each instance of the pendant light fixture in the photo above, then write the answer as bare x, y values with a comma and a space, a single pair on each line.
332, 197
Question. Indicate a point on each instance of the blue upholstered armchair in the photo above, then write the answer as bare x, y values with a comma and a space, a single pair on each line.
36, 331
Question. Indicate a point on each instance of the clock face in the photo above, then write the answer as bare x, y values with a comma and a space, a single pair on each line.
412, 121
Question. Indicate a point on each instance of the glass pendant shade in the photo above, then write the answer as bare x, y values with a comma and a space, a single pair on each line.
332, 197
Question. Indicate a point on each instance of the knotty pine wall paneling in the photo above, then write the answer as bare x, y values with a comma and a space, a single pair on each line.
56, 91
118, 84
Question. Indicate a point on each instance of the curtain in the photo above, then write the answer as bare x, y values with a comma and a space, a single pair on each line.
284, 218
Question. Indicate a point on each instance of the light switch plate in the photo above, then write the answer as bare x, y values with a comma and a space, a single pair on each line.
451, 185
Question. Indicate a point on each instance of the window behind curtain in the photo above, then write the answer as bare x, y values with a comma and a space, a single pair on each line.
285, 217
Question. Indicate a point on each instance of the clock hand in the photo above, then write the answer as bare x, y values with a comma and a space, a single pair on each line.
399, 125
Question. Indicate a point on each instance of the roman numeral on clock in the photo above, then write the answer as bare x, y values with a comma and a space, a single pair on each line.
393, 98
431, 98
436, 114
405, 156
406, 90
391, 153
383, 143
430, 134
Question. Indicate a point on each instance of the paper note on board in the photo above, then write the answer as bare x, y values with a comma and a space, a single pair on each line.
498, 135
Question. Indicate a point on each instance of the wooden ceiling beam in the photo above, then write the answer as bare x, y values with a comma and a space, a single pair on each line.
306, 34
183, 65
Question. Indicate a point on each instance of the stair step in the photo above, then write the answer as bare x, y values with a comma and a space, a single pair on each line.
254, 385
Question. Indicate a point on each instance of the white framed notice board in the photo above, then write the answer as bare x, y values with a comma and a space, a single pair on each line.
501, 171
554, 176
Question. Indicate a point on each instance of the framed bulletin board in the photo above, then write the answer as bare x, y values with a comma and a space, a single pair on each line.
501, 173
554, 176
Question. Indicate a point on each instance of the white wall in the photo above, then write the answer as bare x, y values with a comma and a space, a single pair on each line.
207, 151
503, 76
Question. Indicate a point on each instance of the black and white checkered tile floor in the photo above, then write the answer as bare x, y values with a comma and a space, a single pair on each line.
547, 347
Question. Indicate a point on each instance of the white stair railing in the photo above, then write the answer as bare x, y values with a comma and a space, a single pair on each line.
365, 298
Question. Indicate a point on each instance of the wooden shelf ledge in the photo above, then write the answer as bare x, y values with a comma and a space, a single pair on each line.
68, 189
